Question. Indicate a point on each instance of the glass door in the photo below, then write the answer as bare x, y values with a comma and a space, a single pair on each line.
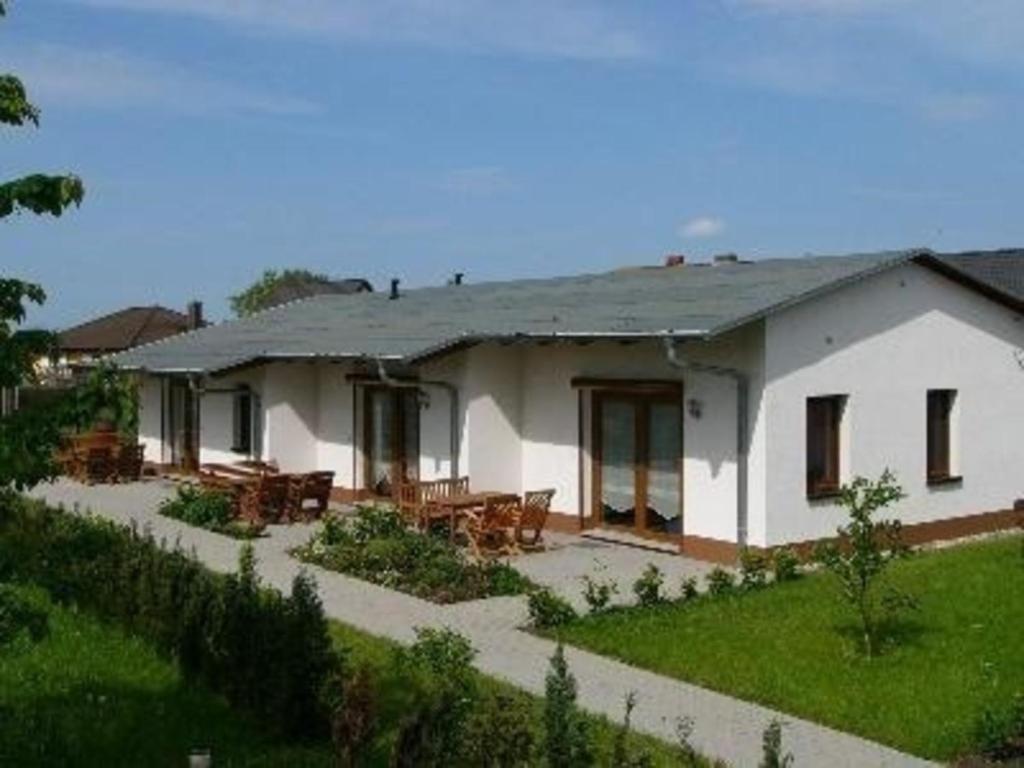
637, 462
392, 439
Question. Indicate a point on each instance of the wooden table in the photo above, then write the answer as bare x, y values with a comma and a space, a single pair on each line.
452, 506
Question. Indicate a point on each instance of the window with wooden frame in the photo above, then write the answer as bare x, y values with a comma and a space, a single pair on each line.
241, 432
941, 403
824, 422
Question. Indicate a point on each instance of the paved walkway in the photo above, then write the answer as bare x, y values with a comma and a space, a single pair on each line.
724, 727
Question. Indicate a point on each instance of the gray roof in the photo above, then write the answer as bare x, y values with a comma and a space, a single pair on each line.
1003, 270
683, 301
296, 287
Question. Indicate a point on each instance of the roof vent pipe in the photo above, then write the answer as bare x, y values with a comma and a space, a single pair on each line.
394, 288
194, 313
457, 278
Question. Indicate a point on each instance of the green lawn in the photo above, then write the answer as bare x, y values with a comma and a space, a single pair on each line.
790, 646
90, 695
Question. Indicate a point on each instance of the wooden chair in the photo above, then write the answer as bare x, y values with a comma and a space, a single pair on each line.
312, 486
536, 506
430, 504
129, 462
492, 530
264, 498
100, 465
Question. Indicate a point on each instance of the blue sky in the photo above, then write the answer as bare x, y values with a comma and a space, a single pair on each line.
376, 138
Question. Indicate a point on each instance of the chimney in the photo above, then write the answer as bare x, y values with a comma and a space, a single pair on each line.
725, 258
194, 312
394, 288
675, 260
457, 278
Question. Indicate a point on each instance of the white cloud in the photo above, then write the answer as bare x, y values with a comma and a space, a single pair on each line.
66, 76
702, 227
577, 29
478, 181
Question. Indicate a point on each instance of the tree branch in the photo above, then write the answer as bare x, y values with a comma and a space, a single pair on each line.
39, 193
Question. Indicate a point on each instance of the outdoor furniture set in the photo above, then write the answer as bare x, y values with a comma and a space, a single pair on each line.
260, 494
493, 522
101, 457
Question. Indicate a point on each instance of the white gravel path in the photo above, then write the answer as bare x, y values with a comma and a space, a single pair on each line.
723, 727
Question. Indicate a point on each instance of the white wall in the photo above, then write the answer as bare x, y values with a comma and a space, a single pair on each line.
290, 396
335, 446
150, 418
883, 343
217, 415
492, 390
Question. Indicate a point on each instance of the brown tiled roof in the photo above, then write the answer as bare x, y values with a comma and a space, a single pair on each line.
296, 289
122, 330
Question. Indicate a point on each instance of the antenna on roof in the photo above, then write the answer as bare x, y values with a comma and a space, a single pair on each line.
394, 288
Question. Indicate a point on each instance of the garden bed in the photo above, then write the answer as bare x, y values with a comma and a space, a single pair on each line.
794, 647
375, 545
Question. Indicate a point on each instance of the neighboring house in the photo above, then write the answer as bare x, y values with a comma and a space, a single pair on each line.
709, 405
80, 346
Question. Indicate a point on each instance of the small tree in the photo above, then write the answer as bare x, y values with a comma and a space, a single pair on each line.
772, 754
864, 549
566, 735
259, 295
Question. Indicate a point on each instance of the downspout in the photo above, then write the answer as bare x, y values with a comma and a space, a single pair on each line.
742, 399
453, 399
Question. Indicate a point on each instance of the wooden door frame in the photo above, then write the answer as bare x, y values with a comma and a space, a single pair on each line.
399, 461
189, 458
642, 401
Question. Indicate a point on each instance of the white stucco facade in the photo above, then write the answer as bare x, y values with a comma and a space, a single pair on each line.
881, 342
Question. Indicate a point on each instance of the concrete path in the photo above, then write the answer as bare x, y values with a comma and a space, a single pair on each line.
723, 727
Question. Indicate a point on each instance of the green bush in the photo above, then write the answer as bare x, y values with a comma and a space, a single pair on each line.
688, 588
772, 754
598, 593
20, 614
198, 506
375, 545
999, 734
753, 569
648, 587
567, 738
720, 582
785, 565
266, 653
548, 610
500, 732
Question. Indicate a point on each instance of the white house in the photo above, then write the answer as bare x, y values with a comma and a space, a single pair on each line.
711, 405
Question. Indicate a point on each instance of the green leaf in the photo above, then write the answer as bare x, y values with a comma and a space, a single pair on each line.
40, 193
15, 108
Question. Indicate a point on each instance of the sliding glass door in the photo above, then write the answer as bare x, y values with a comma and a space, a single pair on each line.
391, 439
637, 462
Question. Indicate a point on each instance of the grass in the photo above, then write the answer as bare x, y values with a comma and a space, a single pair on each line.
90, 695
793, 647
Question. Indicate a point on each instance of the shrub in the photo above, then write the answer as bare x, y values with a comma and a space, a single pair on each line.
720, 582
772, 755
375, 545
688, 588
598, 594
438, 666
785, 565
266, 653
566, 733
866, 548
198, 506
354, 721
548, 610
648, 587
500, 733
21, 613
753, 569
688, 755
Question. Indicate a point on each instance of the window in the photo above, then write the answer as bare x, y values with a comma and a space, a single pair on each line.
241, 439
824, 417
940, 428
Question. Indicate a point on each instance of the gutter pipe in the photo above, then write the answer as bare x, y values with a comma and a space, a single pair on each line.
453, 399
742, 381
